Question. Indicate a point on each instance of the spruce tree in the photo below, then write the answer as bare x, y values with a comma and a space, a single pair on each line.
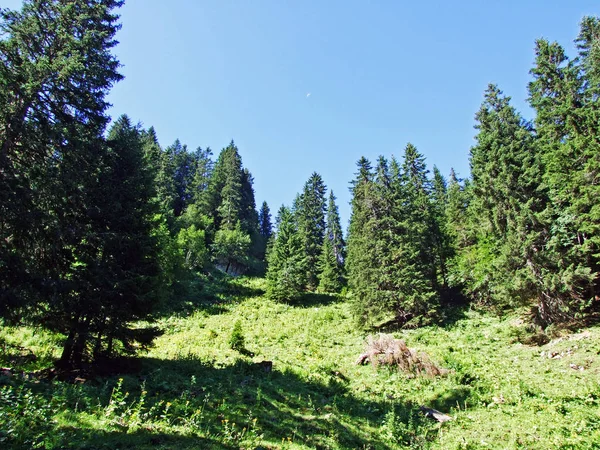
265, 229
333, 253
504, 196
416, 271
442, 245
223, 199
57, 68
564, 95
183, 164
361, 246
310, 214
286, 260
202, 174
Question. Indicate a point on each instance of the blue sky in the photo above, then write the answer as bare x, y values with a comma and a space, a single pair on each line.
379, 74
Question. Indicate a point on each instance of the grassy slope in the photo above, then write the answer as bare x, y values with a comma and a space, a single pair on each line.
193, 391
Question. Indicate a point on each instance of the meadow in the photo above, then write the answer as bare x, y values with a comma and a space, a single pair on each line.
507, 385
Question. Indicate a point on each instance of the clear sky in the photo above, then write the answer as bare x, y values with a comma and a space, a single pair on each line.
312, 85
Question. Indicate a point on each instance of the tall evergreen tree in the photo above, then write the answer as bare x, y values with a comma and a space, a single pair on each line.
264, 220
442, 244
361, 262
416, 272
504, 195
223, 200
56, 70
564, 95
183, 164
286, 260
115, 274
333, 253
265, 228
202, 174
310, 213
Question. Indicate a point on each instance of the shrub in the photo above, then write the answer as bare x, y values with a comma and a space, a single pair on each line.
237, 341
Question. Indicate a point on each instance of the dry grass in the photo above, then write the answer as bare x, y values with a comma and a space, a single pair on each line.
386, 350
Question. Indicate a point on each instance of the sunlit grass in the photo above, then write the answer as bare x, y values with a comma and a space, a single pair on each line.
192, 390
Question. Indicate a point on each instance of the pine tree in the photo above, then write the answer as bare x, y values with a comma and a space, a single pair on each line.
265, 229
286, 260
310, 213
223, 200
504, 196
115, 275
442, 245
57, 68
333, 253
564, 95
360, 265
416, 271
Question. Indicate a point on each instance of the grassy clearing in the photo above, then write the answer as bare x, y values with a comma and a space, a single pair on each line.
192, 390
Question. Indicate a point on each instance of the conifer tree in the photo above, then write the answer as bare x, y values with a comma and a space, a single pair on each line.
286, 260
361, 245
265, 229
504, 194
333, 253
183, 165
564, 95
264, 220
416, 274
163, 170
442, 245
223, 200
310, 214
126, 265
202, 174
52, 116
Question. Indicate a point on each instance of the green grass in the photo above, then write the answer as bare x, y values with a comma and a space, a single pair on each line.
192, 390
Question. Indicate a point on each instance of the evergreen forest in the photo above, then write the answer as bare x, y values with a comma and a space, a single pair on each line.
142, 284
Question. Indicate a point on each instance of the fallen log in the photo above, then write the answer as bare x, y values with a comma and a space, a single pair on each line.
435, 414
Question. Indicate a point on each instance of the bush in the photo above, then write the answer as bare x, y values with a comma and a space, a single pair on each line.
237, 341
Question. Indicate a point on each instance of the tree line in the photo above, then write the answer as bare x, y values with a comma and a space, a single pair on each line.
523, 229
99, 224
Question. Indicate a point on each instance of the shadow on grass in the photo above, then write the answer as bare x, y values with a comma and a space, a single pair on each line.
313, 300
190, 403
451, 399
81, 439
450, 315
314, 413
206, 292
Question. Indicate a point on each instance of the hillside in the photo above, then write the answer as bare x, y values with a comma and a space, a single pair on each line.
191, 390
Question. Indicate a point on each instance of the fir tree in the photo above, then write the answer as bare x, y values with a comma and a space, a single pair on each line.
286, 260
504, 195
115, 274
564, 95
333, 253
52, 117
310, 214
265, 229
183, 165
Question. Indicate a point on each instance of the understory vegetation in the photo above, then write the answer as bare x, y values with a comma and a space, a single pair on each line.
192, 390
